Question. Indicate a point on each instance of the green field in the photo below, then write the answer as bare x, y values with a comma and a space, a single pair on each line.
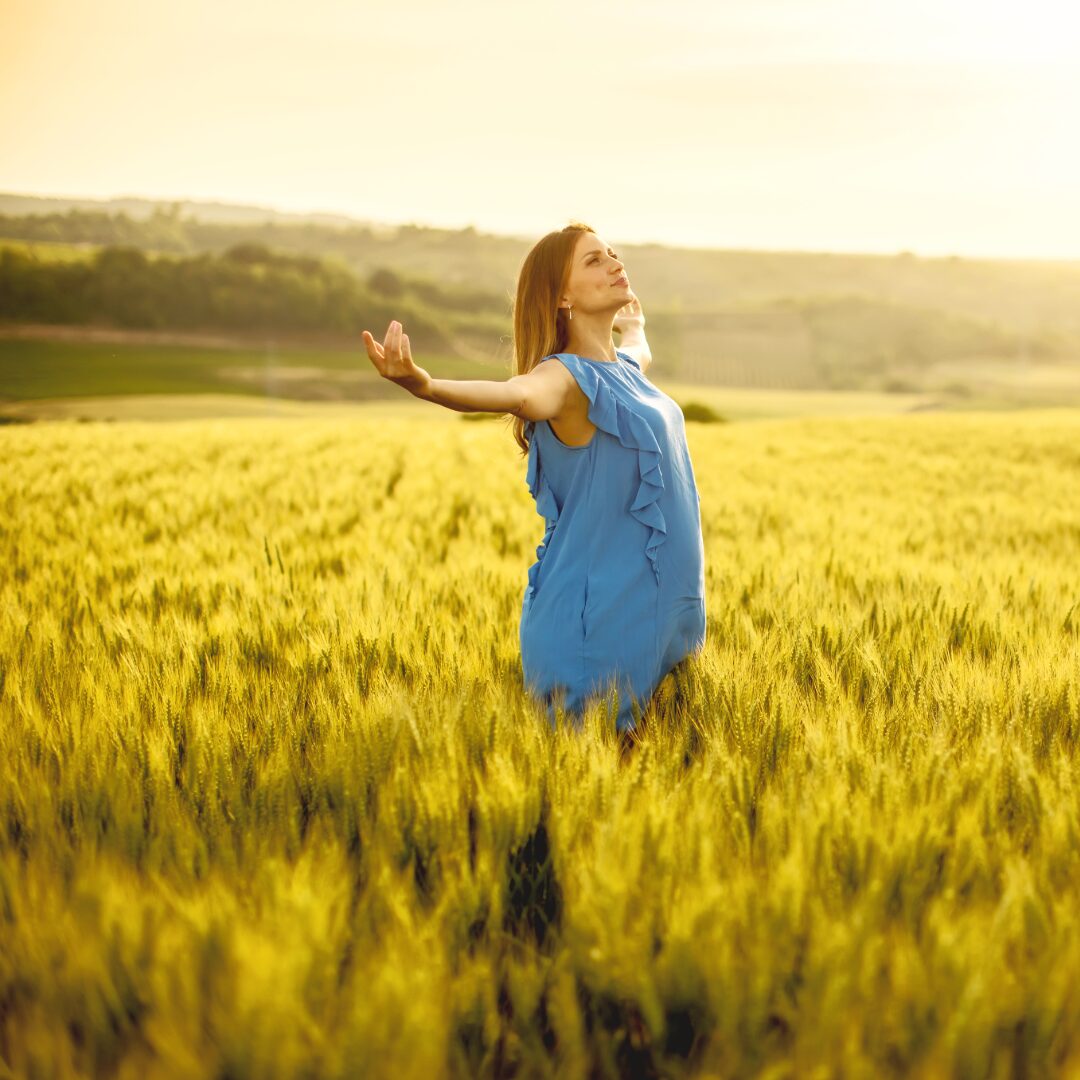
35, 370
51, 379
273, 801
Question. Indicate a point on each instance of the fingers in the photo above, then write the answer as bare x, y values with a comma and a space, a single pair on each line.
394, 352
374, 349
398, 330
391, 343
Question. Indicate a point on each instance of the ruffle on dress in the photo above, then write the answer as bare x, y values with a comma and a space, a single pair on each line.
611, 415
544, 497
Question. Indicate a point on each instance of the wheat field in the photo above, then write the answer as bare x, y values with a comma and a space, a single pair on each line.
273, 802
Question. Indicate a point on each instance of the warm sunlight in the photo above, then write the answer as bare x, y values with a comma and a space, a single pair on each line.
539, 541
831, 125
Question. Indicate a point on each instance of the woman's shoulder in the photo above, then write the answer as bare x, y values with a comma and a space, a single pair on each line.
592, 367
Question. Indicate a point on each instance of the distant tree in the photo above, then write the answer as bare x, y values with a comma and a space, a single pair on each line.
248, 254
121, 259
703, 414
385, 283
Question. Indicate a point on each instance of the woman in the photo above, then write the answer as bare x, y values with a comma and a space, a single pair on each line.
616, 597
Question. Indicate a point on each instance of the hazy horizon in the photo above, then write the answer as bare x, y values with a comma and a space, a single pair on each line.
787, 127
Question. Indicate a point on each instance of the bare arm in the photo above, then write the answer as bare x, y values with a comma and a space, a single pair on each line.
638, 349
631, 322
476, 395
539, 395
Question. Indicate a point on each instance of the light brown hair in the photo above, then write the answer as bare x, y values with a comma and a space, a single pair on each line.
540, 325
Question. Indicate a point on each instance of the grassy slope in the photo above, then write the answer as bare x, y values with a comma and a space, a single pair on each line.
46, 369
1003, 308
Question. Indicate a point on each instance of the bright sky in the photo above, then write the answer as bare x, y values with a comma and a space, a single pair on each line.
935, 126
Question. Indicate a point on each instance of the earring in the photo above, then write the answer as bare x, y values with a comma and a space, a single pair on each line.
569, 311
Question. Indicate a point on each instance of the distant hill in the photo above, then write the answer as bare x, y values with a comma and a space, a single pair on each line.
794, 320
141, 209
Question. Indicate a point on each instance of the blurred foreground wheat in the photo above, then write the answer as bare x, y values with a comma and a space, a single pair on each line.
273, 803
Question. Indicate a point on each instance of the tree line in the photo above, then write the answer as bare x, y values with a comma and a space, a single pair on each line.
246, 288
167, 231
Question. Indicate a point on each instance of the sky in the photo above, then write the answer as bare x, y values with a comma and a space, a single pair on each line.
931, 126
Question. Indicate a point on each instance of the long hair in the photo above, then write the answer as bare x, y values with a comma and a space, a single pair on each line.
540, 326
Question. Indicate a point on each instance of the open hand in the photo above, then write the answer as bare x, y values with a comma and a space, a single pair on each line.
393, 360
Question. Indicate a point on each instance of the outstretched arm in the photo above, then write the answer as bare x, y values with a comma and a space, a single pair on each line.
539, 395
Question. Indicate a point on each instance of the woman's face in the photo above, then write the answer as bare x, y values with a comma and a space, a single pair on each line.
598, 279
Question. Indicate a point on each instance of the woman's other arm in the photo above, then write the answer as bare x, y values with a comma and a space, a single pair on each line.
630, 321
637, 346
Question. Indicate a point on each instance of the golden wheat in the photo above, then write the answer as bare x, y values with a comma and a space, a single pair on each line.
273, 802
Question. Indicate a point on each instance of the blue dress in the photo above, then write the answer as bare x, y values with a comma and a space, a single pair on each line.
616, 597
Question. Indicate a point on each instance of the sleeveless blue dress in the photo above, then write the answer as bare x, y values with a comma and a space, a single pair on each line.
616, 597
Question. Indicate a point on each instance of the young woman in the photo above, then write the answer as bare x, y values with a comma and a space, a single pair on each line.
616, 597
